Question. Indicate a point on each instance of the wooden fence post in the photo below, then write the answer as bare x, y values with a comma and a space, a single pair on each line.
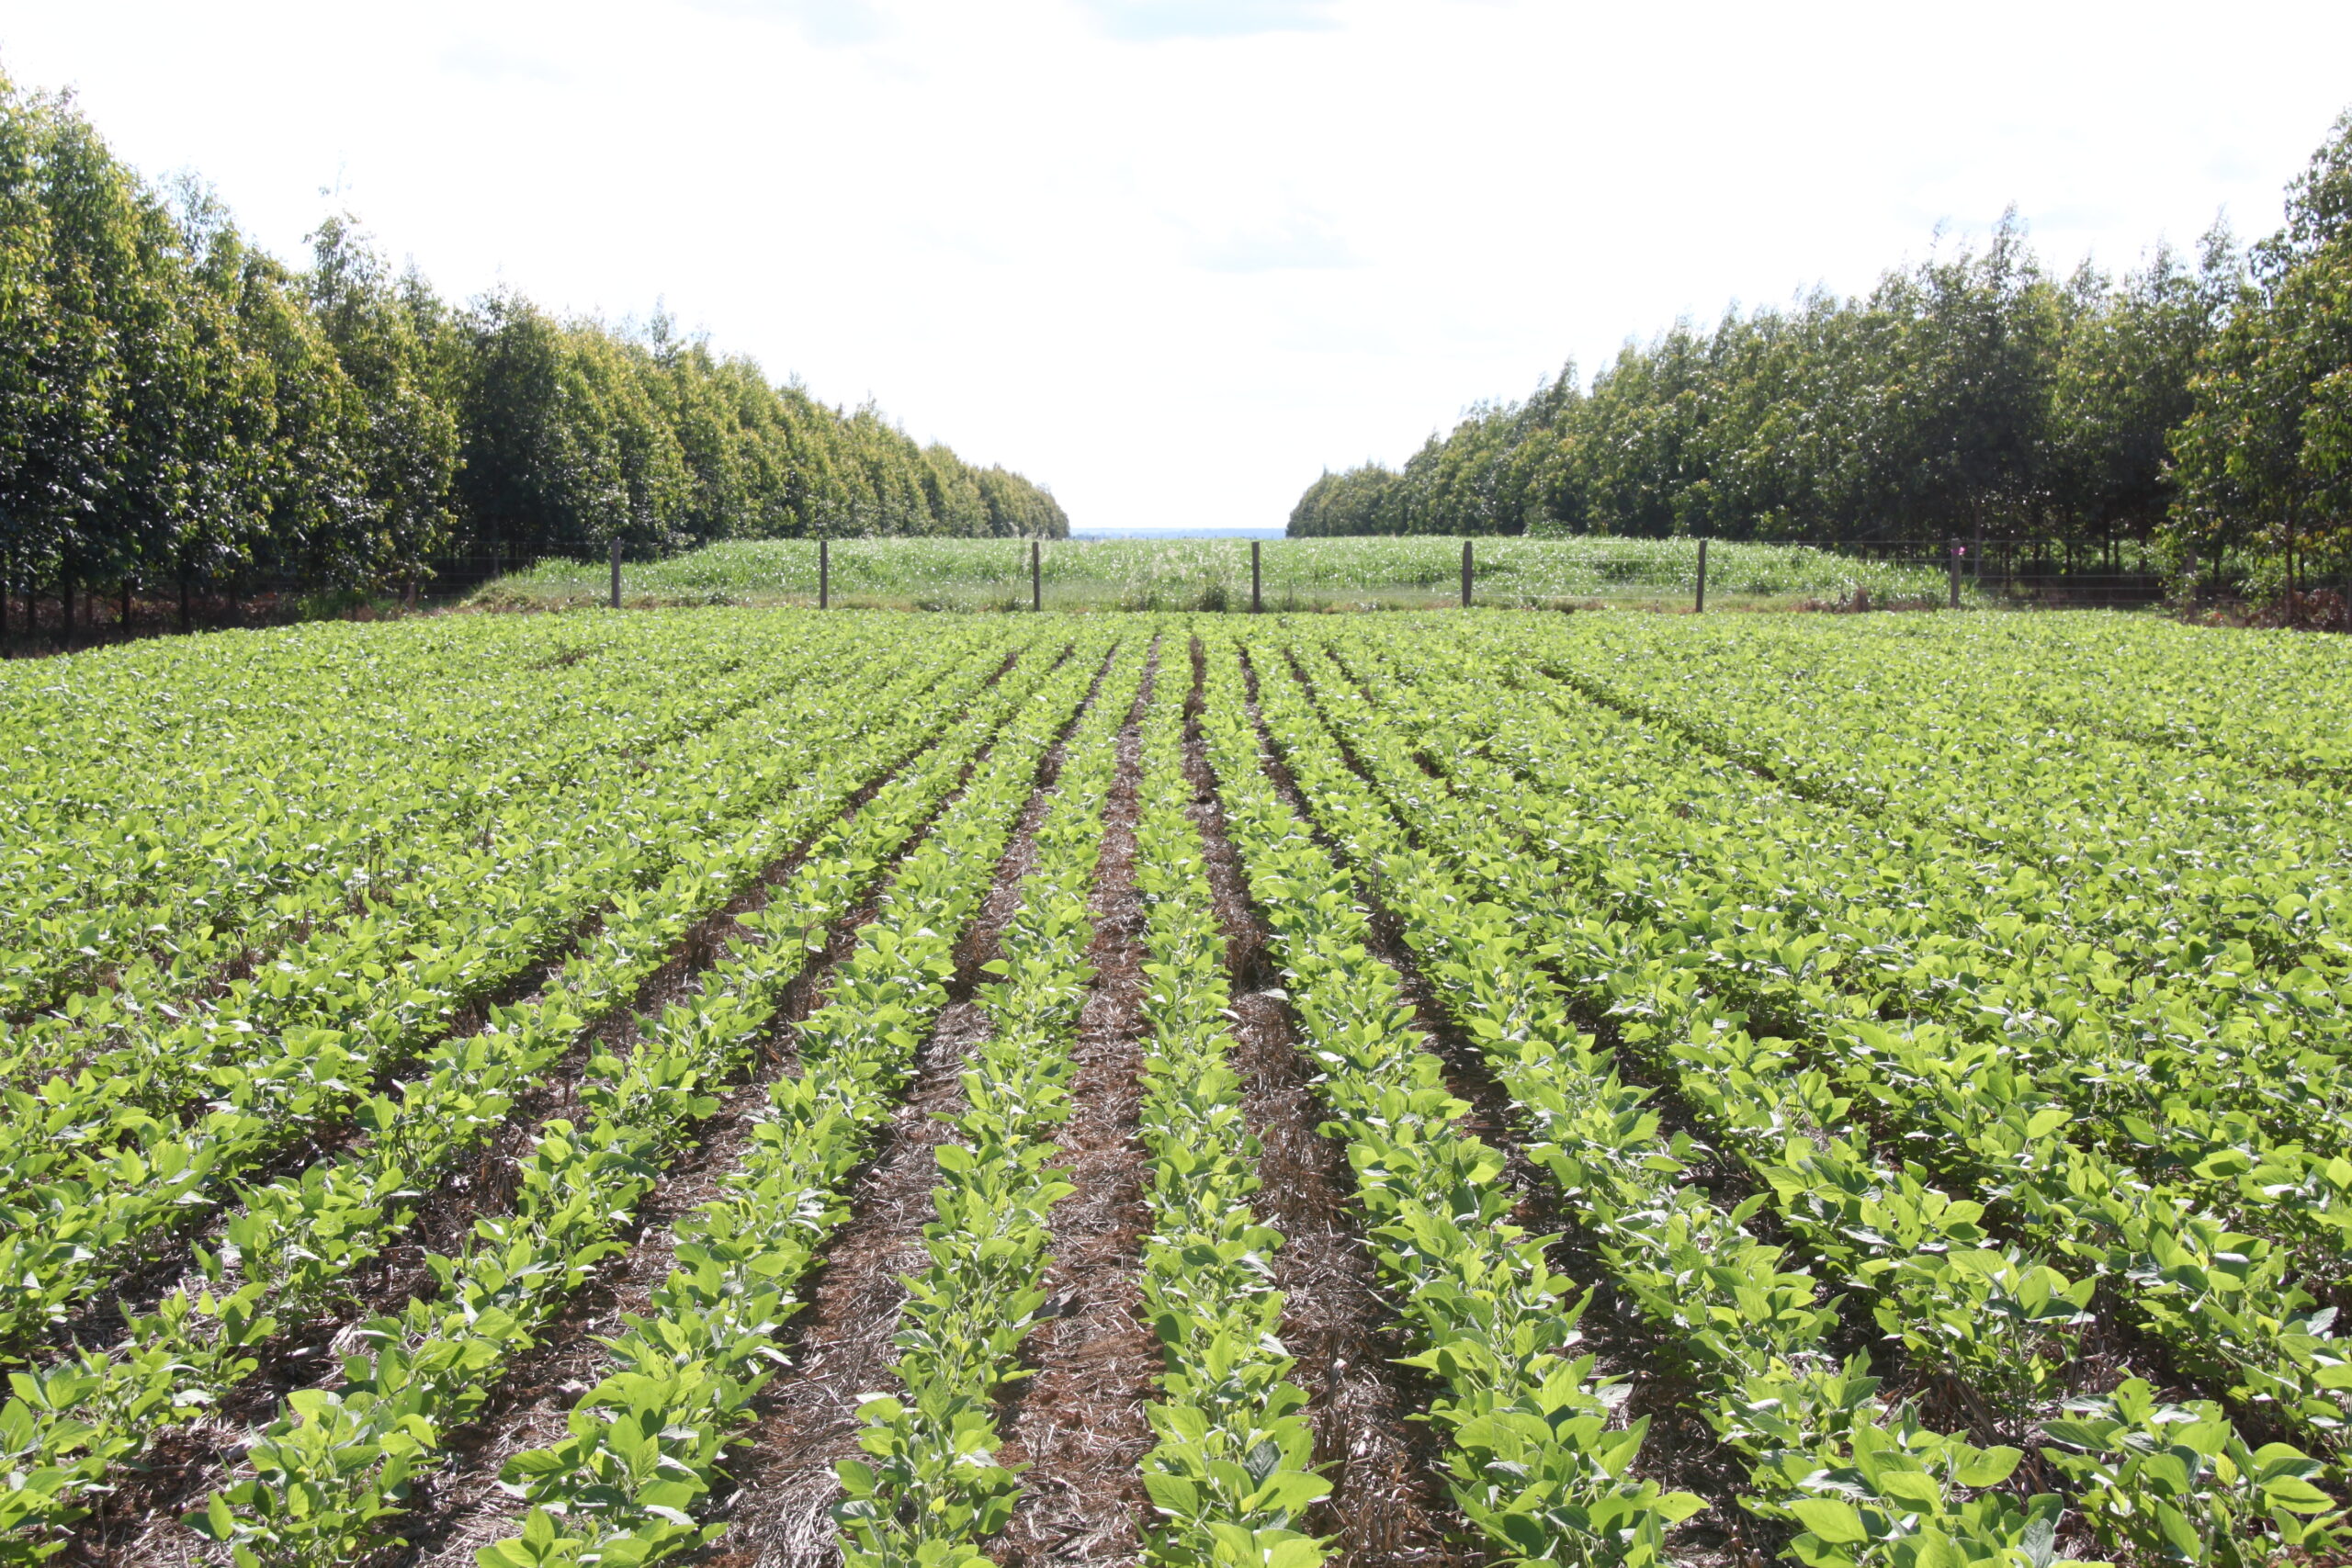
1256, 604
1466, 574
824, 574
1700, 606
617, 574
1036, 575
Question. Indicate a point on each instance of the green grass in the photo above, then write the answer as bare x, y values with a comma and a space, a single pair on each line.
1214, 574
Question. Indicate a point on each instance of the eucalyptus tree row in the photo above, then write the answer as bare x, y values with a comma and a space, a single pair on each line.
179, 408
2203, 402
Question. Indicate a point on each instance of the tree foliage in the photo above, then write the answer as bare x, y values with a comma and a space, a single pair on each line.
179, 406
1973, 394
2266, 452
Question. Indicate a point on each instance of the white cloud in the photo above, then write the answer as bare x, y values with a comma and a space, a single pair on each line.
828, 23
1148, 21
1175, 258
1298, 239
488, 59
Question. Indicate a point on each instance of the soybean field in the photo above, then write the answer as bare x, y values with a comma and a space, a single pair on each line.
759, 1088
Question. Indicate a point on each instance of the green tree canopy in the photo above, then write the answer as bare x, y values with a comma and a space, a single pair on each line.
2265, 454
174, 403
1973, 394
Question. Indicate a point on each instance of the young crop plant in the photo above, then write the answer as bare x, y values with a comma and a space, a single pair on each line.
646, 1446
1799, 936
2147, 1045
1932, 1029
2006, 1327
332, 1471
191, 814
102, 1169
2173, 1484
929, 1490
285, 1254
2199, 864
1535, 1461
2162, 1231
1999, 1321
1232, 1474
1824, 1452
387, 872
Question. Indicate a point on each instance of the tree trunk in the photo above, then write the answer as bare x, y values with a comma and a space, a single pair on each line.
2291, 606
64, 612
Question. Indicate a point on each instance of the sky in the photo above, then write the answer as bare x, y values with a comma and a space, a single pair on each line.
1173, 258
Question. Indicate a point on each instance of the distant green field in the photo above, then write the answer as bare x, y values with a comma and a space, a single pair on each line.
1212, 574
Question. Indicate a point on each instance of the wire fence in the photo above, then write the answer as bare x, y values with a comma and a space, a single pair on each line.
1346, 573
1221, 575
48, 617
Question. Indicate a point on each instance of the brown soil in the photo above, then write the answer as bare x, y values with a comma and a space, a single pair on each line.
138, 1524
1078, 1423
464, 1507
167, 1266
840, 1344
1681, 1450
1387, 1505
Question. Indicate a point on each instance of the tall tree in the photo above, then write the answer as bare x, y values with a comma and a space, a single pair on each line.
97, 359
2123, 386
387, 332
2266, 453
175, 402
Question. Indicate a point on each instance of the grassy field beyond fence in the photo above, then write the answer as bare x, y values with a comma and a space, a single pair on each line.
1214, 574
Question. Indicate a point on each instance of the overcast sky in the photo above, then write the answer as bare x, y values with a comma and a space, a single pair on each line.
1174, 257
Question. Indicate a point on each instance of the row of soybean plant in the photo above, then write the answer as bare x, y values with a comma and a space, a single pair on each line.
2205, 1137
283, 1256
1232, 1470
1823, 1453
2214, 1013
2191, 862
1962, 1307
929, 1489
1536, 1460
177, 809
330, 1472
2154, 1131
436, 855
170, 1106
2243, 700
632, 1479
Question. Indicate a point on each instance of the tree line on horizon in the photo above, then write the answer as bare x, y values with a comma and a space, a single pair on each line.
177, 406
2197, 403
